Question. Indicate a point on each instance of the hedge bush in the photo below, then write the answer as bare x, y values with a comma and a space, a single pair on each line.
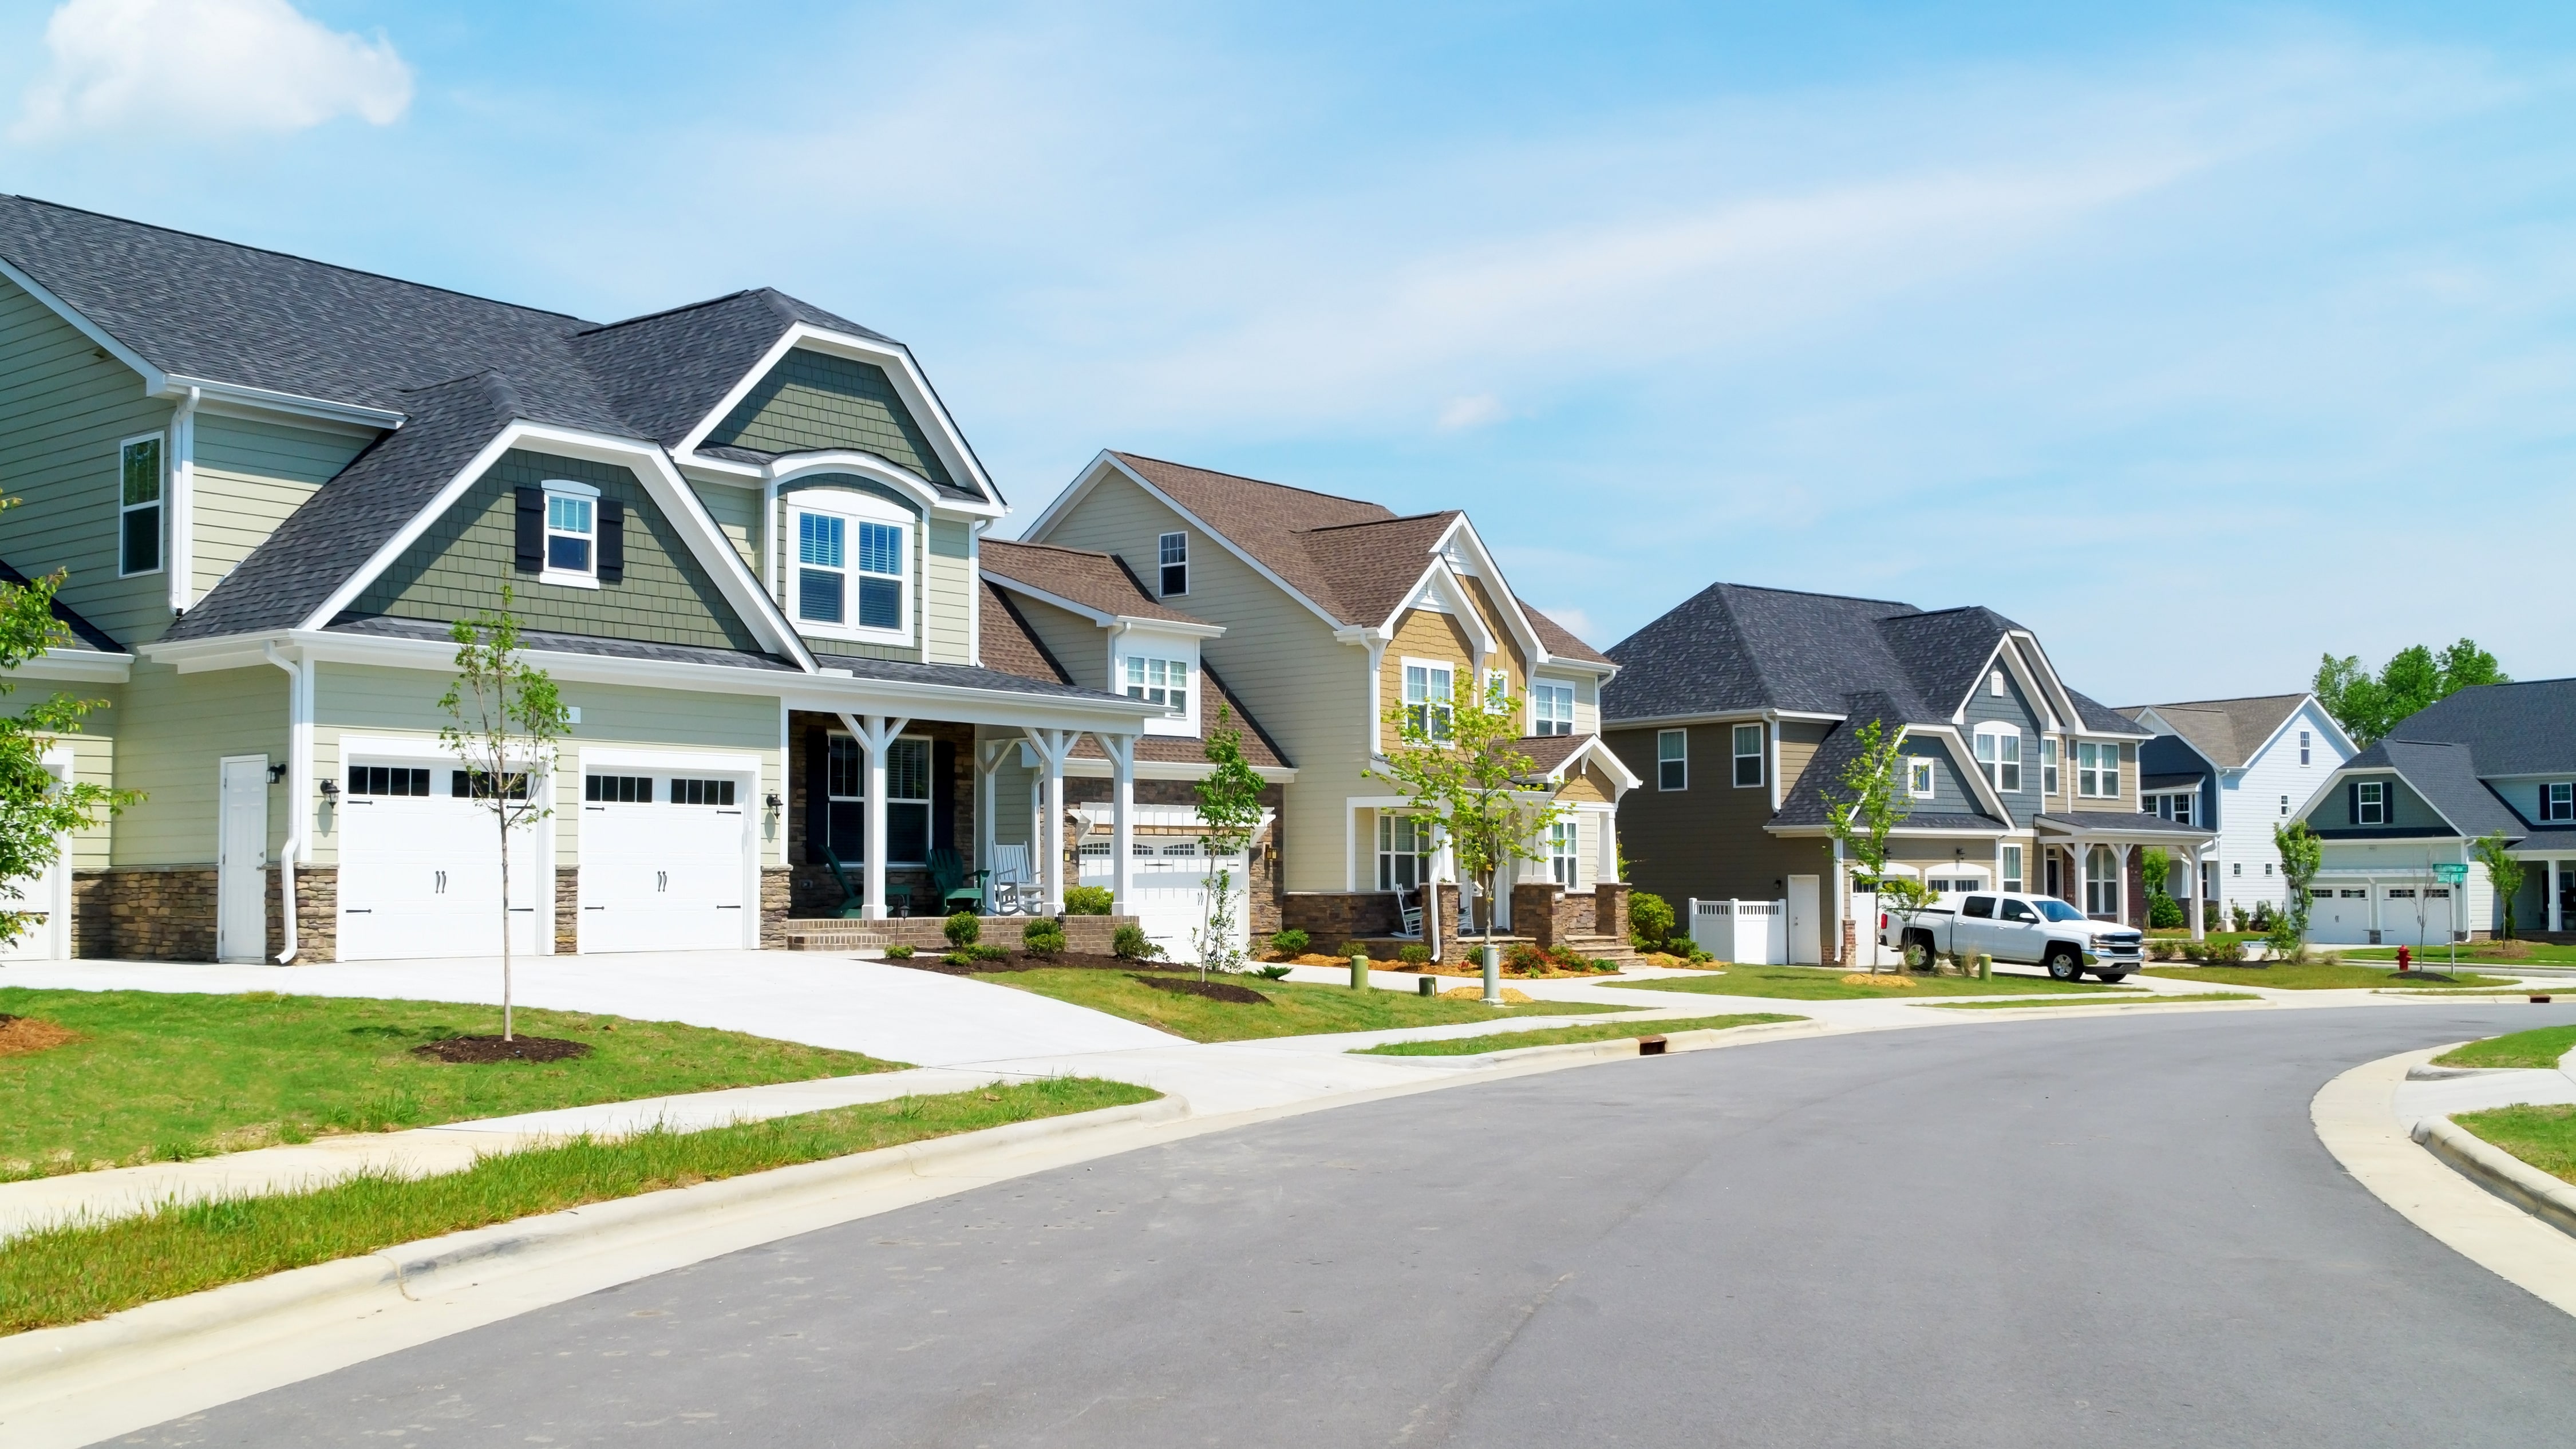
1650, 921
1088, 901
963, 930
1042, 938
1130, 943
1291, 942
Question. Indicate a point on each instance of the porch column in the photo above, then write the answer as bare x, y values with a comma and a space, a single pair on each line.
2120, 879
874, 733
989, 755
1122, 811
1052, 748
2199, 904
2078, 853
2554, 916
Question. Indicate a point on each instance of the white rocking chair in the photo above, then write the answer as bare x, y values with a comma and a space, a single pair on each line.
1409, 917
1016, 890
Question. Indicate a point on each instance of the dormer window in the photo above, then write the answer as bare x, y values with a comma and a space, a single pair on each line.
2558, 802
1172, 553
2370, 802
572, 533
1159, 681
1551, 709
1918, 777
851, 577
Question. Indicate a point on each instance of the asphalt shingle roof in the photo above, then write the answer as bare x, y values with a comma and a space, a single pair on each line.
1806, 800
2514, 729
2127, 821
85, 635
2446, 775
1092, 579
387, 626
2228, 731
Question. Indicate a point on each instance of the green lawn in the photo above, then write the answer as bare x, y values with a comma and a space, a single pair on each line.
2533, 953
157, 1075
2545, 1137
1468, 1046
65, 1275
2304, 976
1294, 1009
2126, 997
2541, 1048
1825, 983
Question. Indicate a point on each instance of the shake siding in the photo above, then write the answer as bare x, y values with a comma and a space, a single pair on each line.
460, 563
1078, 644
171, 734
737, 512
1585, 787
1708, 840
1951, 793
812, 402
2014, 709
250, 476
947, 592
1508, 656
64, 407
1425, 635
1278, 657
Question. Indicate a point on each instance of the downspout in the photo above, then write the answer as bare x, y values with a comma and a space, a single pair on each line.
299, 784
183, 503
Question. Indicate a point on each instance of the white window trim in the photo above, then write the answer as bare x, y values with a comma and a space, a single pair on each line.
1660, 761
2010, 874
2363, 803
1995, 684
1920, 778
1184, 565
1449, 702
2098, 770
1552, 685
855, 508
1170, 651
568, 578
2549, 814
160, 505
1993, 769
1498, 691
2049, 766
1737, 756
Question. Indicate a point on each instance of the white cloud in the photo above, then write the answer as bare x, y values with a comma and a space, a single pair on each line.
1462, 413
207, 65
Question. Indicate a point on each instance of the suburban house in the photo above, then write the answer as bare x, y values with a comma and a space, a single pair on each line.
1742, 707
2239, 767
1319, 614
2399, 818
742, 535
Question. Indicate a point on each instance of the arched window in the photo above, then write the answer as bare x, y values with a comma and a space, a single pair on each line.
2102, 883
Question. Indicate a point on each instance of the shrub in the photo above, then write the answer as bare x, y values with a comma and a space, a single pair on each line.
987, 953
959, 958
963, 930
1290, 942
2164, 912
1271, 973
2225, 951
1650, 921
1525, 958
2236, 913
1353, 948
1088, 900
1130, 943
1042, 938
898, 952
1414, 955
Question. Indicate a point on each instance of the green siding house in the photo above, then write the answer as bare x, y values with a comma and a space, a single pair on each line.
742, 535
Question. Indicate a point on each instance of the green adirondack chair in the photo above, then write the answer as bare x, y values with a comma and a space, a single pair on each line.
853, 904
957, 888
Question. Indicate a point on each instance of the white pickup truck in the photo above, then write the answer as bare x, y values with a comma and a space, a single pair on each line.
2032, 930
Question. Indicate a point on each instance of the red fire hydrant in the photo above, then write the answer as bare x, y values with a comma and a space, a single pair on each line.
2404, 959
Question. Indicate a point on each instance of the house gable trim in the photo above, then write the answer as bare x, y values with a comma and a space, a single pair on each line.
909, 384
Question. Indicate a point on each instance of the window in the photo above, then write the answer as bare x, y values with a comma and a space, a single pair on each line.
1672, 760
1159, 681
2400, 893
1978, 908
1564, 845
2370, 802
1999, 756
1918, 777
2102, 882
572, 531
138, 502
1403, 852
850, 572
2059, 911
2048, 765
1172, 552
1428, 692
2012, 878
2267, 869
2285, 806
2236, 867
1552, 709
2303, 747
1995, 684
907, 800
1748, 755
2097, 769
699, 792
2558, 800
388, 780
475, 785
1498, 691
618, 789
2176, 807
2018, 911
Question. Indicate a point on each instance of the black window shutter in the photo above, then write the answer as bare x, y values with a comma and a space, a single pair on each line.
2352, 801
612, 541
532, 530
818, 794
943, 795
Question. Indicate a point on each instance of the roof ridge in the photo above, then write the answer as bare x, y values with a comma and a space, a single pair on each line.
292, 257
1812, 594
1056, 547
597, 328
1380, 522
1247, 478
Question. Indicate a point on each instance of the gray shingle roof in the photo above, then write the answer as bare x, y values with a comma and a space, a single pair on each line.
2101, 719
2514, 729
2446, 775
387, 626
85, 635
2228, 731
1805, 803
2127, 822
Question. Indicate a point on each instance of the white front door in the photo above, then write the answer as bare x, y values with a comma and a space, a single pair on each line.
1806, 940
420, 868
666, 869
241, 860
47, 899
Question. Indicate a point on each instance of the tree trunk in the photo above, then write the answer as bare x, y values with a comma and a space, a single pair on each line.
507, 1023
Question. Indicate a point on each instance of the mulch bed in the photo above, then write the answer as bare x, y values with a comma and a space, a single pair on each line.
20, 1035
2424, 976
1074, 960
475, 1050
1212, 990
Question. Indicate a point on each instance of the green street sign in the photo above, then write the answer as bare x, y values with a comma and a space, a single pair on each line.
2451, 874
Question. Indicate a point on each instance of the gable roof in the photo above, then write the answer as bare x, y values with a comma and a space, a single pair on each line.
1805, 803
1010, 645
2227, 731
1094, 580
2446, 775
2512, 729
85, 635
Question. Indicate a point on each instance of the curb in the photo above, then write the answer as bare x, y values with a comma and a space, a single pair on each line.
2500, 1172
134, 1342
1616, 1048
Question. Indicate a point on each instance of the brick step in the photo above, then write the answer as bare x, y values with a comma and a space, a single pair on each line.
1090, 934
1612, 949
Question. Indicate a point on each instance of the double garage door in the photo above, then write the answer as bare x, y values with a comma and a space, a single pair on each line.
665, 865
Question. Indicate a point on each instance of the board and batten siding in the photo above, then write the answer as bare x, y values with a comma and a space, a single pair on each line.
172, 733
460, 563
1280, 659
65, 405
250, 475
813, 402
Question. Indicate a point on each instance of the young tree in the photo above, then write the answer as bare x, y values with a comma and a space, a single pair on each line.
2503, 872
36, 810
507, 718
1868, 807
2302, 856
2413, 679
1455, 763
2156, 870
1230, 808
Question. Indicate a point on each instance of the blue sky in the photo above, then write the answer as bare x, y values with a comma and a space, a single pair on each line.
2201, 338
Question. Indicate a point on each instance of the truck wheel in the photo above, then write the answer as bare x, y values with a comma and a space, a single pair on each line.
2065, 964
2112, 978
1918, 952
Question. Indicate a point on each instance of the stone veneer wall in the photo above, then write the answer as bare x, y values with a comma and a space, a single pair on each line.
317, 914
145, 913
1089, 934
567, 909
777, 891
1332, 917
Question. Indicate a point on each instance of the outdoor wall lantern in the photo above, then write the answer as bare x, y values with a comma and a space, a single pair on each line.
276, 773
330, 789
771, 801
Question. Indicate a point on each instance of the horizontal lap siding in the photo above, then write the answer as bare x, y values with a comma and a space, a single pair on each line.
1277, 657
172, 732
250, 476
64, 407
1077, 643
1707, 840
93, 752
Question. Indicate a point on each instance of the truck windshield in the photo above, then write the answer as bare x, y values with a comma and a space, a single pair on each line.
2060, 911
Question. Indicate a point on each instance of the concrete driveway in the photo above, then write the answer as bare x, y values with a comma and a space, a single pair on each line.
889, 1012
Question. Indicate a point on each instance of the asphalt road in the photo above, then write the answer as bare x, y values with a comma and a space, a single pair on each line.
2112, 1231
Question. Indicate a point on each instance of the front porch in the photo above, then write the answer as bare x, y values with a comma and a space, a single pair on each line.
2091, 860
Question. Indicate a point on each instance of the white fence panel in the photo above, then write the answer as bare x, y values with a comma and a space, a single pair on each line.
1750, 933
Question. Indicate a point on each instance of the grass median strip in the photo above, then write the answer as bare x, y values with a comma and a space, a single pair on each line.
2307, 976
81, 1271
2125, 998
1825, 983
1287, 1009
2541, 1048
2544, 1136
165, 1076
1469, 1046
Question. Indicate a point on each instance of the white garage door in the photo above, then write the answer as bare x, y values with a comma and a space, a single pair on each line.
2339, 917
663, 862
1167, 893
420, 868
